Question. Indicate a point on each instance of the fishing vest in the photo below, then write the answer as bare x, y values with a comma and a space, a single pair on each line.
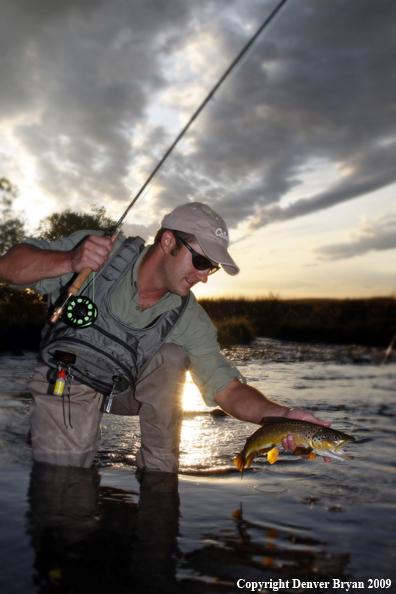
109, 348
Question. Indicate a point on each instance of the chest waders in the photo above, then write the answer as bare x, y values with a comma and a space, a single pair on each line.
109, 355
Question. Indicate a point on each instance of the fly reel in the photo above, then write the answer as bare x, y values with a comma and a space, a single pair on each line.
80, 312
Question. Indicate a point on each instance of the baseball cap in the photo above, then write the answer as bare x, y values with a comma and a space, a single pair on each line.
209, 229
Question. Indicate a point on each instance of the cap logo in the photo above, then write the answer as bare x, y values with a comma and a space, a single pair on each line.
221, 233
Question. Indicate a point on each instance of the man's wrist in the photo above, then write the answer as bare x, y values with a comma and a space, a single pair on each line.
280, 412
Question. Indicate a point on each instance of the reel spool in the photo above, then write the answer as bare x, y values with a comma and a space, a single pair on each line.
80, 312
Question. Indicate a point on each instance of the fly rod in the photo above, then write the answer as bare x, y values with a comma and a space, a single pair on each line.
75, 287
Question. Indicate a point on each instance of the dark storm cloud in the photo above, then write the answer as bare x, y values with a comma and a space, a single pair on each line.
79, 79
85, 72
378, 236
319, 87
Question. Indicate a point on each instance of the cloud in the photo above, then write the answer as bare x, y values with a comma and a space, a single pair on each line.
80, 80
94, 93
368, 171
317, 88
378, 235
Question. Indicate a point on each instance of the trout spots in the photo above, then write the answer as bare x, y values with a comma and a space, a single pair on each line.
311, 439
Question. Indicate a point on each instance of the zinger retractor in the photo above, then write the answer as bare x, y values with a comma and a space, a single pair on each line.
81, 312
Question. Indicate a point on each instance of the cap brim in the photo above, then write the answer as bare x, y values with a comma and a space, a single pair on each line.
219, 254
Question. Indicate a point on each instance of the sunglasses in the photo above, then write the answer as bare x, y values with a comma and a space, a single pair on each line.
199, 261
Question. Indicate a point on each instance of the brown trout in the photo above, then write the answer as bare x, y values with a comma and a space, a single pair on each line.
310, 438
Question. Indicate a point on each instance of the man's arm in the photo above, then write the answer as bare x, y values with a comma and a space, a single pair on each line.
248, 404
25, 264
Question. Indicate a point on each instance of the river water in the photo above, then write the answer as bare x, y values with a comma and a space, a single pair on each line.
298, 526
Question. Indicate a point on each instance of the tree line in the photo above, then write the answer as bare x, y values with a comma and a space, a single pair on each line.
343, 321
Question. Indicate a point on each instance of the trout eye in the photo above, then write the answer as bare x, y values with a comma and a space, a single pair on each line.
331, 439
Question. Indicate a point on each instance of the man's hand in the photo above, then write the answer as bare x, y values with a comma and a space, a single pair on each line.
288, 442
92, 253
25, 264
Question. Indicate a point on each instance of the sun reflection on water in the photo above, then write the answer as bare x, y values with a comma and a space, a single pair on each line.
192, 399
196, 447
203, 435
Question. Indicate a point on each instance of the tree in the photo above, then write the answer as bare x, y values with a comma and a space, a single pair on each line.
12, 228
67, 222
12, 231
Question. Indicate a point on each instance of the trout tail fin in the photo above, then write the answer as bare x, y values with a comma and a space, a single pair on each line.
239, 462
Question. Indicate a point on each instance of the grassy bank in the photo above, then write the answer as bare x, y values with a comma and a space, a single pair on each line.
369, 322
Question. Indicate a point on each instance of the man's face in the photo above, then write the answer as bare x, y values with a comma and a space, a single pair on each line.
180, 272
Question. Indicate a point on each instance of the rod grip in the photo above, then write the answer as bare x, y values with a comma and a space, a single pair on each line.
79, 281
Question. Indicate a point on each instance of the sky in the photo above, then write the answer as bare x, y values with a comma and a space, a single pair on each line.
296, 151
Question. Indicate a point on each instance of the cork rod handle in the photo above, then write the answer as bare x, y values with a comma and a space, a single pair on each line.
79, 281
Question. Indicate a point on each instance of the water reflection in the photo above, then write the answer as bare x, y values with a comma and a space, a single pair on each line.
192, 400
92, 538
89, 537
263, 552
288, 550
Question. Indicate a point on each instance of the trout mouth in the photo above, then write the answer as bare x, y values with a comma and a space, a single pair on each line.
337, 453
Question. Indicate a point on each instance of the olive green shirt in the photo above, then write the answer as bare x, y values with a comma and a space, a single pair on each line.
195, 333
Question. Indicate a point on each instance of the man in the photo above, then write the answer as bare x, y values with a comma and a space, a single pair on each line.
150, 330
